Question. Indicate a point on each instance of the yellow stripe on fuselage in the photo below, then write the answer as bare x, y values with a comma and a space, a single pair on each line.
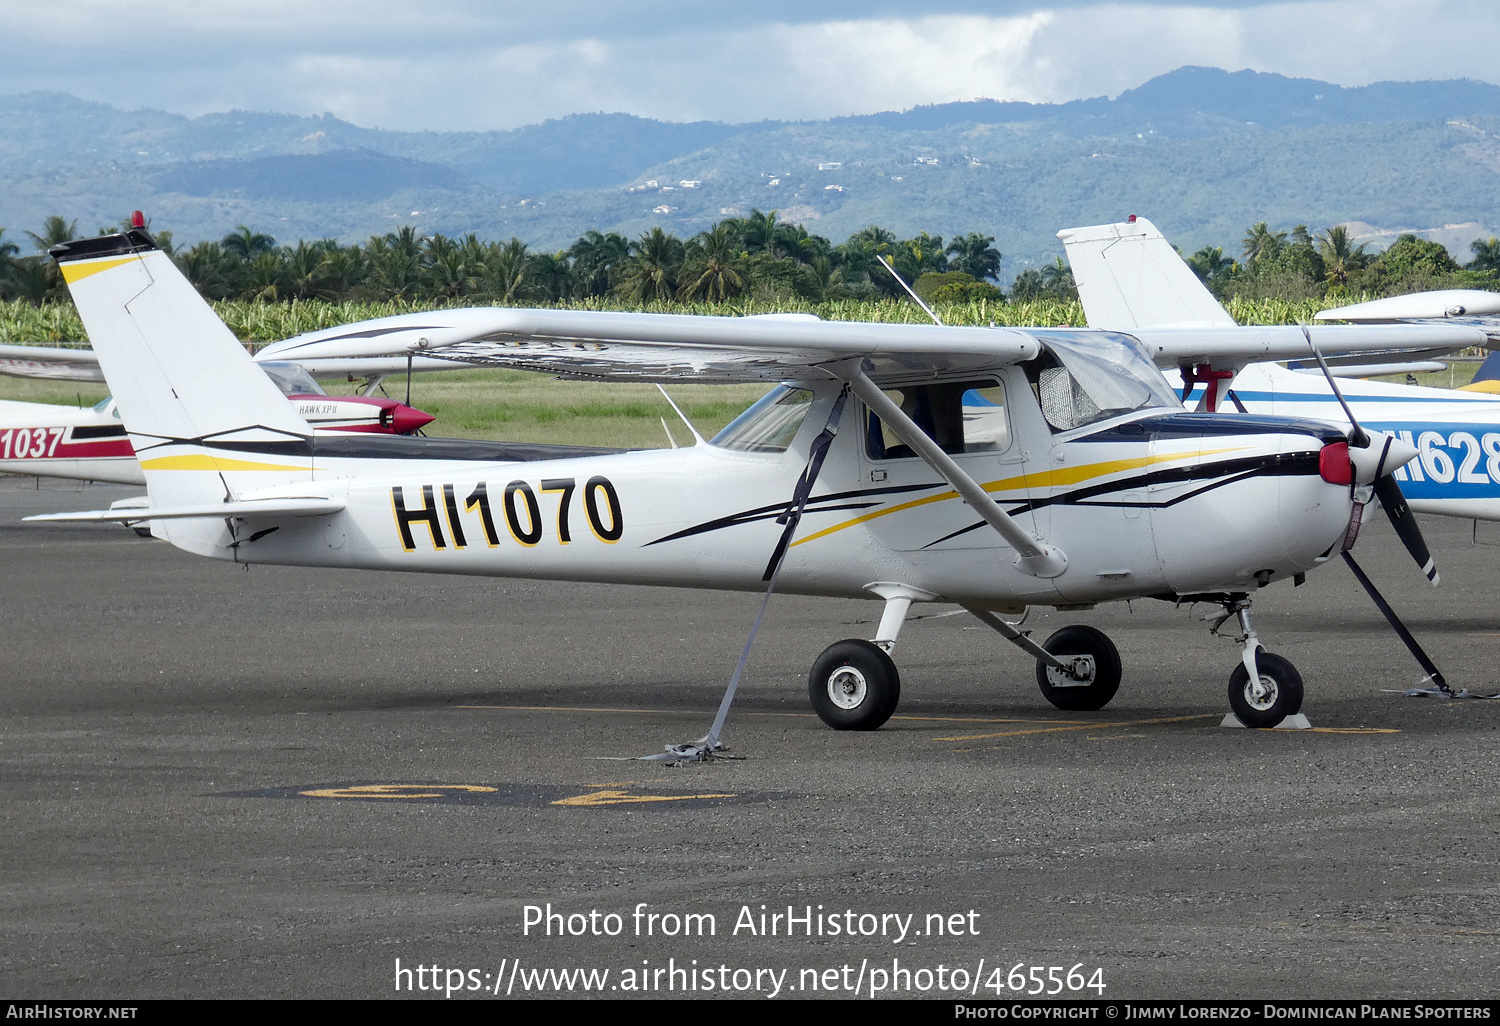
78, 270
204, 461
1045, 479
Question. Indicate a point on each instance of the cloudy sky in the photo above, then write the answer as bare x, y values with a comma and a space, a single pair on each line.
468, 64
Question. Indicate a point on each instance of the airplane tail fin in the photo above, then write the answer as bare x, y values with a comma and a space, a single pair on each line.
1487, 377
206, 424
1129, 276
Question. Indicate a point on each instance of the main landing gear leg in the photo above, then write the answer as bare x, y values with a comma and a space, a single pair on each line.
1078, 668
854, 684
1264, 689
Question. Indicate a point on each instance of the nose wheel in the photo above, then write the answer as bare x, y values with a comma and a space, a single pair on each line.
854, 685
1274, 694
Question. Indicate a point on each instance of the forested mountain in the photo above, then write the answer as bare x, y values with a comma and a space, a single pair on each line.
1202, 152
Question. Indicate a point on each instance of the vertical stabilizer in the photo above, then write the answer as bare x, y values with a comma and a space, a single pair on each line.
206, 423
1129, 276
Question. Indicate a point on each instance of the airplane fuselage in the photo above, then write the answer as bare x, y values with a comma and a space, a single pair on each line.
1160, 503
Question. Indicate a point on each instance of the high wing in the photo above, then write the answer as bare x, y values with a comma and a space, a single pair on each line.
672, 347
776, 347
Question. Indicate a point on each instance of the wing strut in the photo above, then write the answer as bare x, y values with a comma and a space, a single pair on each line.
707, 746
1033, 556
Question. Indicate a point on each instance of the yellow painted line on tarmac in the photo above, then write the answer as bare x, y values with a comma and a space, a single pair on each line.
1079, 726
614, 797
397, 791
1345, 730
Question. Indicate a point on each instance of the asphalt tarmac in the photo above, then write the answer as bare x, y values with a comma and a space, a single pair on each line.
205, 770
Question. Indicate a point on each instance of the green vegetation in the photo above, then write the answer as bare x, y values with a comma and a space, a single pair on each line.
752, 265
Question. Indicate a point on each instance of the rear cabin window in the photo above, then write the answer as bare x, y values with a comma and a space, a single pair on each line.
769, 425
960, 416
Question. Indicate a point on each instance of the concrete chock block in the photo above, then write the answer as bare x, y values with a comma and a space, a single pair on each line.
1295, 722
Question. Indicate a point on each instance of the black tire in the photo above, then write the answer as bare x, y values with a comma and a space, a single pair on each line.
1281, 692
1104, 679
854, 686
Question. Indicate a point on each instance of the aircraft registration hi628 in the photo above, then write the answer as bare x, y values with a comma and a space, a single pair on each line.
994, 468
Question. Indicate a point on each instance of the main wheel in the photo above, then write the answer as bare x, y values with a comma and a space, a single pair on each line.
854, 686
1277, 695
1097, 659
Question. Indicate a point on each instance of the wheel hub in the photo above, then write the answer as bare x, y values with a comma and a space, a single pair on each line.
1261, 692
1082, 669
847, 687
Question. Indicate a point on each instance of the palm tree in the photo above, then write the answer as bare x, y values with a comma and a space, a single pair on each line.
343, 272
507, 268
974, 256
54, 230
651, 274
1262, 244
714, 268
1486, 255
597, 259
1057, 280
553, 275
1339, 254
1210, 264
921, 255
247, 244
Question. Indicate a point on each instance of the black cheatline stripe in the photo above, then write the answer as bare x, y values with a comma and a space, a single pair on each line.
777, 509
1281, 465
84, 431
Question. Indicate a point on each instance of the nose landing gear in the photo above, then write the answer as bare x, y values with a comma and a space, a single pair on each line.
1264, 689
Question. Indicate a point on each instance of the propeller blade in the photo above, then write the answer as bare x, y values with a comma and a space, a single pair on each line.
1358, 439
1405, 523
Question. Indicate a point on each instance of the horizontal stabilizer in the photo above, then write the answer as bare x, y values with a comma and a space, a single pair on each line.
245, 509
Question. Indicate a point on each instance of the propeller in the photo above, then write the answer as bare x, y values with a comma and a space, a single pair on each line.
1375, 459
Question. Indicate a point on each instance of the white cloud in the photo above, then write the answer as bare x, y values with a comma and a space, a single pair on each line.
469, 64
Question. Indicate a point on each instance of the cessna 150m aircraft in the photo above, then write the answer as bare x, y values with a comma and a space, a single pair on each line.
993, 468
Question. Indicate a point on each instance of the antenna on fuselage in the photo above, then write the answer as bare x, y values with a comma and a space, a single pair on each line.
884, 262
697, 438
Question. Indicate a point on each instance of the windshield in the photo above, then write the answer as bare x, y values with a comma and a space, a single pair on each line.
769, 425
291, 378
1083, 378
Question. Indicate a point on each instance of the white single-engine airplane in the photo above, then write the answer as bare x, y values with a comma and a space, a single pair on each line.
993, 468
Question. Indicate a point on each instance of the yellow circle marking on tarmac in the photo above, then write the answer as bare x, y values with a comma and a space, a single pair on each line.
397, 791
615, 797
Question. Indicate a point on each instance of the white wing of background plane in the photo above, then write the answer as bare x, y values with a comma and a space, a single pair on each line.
50, 362
1417, 305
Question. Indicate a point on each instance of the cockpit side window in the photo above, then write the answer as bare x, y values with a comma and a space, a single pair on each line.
1080, 379
769, 425
960, 416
